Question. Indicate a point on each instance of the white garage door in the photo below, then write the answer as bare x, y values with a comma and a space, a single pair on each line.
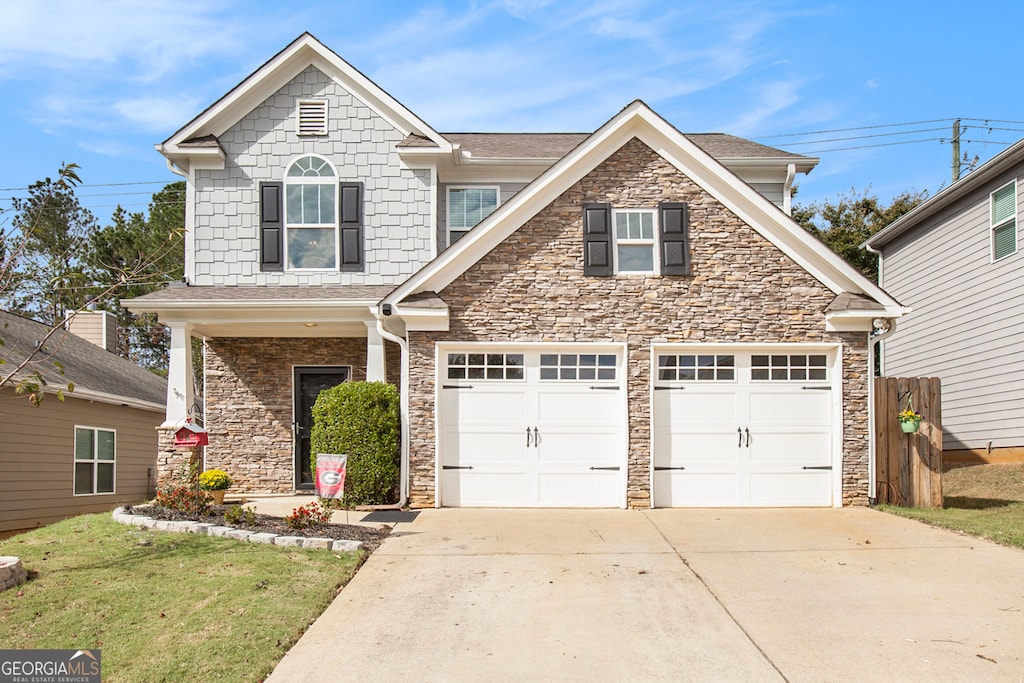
532, 427
743, 428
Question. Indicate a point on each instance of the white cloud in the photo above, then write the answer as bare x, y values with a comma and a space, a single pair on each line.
157, 114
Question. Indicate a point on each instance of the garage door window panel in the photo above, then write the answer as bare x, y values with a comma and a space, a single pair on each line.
486, 366
697, 368
586, 367
786, 368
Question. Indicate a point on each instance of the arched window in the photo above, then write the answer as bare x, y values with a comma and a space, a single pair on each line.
311, 223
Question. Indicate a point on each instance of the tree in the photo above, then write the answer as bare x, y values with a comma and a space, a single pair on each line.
848, 221
41, 272
50, 227
152, 250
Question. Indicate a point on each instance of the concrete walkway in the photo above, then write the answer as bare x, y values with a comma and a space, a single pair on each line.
617, 595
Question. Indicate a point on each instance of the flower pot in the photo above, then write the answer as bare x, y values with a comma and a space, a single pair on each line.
218, 496
910, 426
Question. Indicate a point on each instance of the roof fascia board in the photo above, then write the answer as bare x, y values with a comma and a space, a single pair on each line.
277, 72
82, 393
998, 164
638, 120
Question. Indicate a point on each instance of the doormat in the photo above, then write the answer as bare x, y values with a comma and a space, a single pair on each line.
391, 516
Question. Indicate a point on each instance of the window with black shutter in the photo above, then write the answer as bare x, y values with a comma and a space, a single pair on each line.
597, 239
271, 227
350, 211
673, 228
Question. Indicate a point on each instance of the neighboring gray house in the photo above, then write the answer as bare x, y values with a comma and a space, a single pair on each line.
956, 261
627, 317
91, 452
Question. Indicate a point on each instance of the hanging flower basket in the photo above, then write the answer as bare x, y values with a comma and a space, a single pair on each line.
910, 426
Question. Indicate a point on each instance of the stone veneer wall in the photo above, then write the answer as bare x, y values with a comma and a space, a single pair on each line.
249, 404
532, 288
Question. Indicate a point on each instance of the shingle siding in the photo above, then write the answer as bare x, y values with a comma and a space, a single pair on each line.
531, 288
359, 143
966, 319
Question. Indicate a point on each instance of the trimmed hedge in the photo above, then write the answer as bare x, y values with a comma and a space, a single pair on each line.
361, 420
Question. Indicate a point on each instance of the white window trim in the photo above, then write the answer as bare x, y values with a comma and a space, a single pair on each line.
654, 242
311, 180
448, 208
992, 227
298, 117
93, 461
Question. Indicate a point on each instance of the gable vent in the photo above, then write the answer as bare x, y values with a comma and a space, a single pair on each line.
312, 117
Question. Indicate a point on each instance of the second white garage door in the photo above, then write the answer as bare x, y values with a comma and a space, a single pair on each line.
532, 426
744, 428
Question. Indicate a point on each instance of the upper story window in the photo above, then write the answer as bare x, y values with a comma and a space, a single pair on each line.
645, 241
467, 206
94, 460
311, 224
1003, 220
634, 241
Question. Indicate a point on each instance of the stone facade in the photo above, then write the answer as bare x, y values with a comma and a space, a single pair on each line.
531, 288
249, 408
362, 147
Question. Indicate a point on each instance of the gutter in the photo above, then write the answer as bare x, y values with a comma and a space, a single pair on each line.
403, 393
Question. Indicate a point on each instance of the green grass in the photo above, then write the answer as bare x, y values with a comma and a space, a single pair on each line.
165, 606
982, 500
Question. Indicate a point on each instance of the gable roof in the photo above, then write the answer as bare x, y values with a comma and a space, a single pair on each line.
198, 136
96, 373
1004, 161
639, 121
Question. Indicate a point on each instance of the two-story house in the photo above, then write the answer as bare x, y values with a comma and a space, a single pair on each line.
956, 261
627, 317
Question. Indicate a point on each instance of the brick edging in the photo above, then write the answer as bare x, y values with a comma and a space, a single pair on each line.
208, 529
12, 572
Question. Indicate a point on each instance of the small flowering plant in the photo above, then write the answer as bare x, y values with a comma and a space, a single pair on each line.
311, 516
908, 415
214, 480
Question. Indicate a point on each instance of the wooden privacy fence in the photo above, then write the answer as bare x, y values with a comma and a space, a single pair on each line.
908, 467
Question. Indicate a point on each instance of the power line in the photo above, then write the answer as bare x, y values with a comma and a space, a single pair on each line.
881, 144
866, 137
139, 182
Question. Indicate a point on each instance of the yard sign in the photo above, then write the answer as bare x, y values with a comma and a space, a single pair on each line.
330, 475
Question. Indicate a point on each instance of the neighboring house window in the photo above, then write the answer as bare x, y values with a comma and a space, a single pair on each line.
467, 206
634, 241
312, 117
94, 460
1003, 203
310, 215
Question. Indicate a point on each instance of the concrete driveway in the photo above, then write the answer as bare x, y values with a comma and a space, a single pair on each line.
619, 595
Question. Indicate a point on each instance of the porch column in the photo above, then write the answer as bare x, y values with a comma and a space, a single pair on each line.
375, 370
180, 391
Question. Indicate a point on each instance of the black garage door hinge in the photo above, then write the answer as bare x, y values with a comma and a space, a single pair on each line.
606, 388
456, 467
661, 469
616, 469
456, 386
816, 467
816, 388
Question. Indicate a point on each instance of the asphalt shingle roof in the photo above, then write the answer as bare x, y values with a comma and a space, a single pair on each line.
85, 365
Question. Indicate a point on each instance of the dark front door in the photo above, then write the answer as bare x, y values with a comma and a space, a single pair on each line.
309, 382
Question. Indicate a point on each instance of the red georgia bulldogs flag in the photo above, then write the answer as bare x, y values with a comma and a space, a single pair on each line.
330, 475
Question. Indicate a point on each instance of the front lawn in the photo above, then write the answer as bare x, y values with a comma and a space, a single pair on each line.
165, 606
981, 500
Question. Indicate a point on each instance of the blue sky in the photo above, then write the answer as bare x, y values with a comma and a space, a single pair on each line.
99, 82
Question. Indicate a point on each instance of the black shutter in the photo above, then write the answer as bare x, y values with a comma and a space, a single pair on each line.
597, 239
271, 227
674, 223
350, 218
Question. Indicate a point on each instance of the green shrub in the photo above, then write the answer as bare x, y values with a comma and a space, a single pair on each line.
361, 420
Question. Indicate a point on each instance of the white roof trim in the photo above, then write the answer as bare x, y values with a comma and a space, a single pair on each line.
638, 120
303, 52
112, 399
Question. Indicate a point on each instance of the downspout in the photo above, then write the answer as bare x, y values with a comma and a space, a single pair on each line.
403, 393
787, 190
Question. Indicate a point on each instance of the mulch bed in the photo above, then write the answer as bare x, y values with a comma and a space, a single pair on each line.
370, 536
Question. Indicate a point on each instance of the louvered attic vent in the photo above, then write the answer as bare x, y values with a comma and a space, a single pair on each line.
312, 117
